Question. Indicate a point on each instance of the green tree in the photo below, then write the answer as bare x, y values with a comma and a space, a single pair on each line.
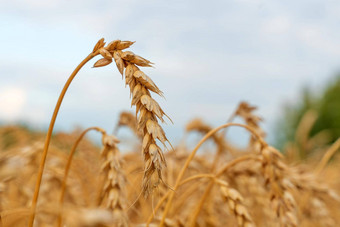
327, 108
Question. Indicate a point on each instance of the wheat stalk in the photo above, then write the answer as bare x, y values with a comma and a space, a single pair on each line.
94, 53
186, 164
327, 156
68, 166
203, 128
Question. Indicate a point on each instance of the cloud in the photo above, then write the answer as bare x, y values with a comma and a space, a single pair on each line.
12, 101
208, 56
277, 25
319, 39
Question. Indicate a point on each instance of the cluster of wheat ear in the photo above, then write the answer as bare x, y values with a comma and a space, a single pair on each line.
256, 185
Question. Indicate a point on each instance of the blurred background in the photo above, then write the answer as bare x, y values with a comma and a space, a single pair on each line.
281, 56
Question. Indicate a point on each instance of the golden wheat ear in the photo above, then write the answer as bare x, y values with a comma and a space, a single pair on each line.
245, 111
274, 171
236, 205
148, 111
128, 119
113, 193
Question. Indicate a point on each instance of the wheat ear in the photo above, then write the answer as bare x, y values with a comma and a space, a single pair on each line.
148, 111
128, 119
235, 203
245, 111
275, 175
113, 193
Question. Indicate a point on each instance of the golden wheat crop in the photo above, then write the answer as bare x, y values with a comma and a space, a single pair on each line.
69, 181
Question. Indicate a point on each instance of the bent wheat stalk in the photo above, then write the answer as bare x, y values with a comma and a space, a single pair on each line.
203, 128
68, 166
327, 156
211, 176
94, 53
191, 156
218, 174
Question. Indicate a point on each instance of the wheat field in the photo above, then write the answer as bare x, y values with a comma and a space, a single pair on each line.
64, 179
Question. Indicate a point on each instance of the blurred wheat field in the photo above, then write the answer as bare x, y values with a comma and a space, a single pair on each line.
84, 184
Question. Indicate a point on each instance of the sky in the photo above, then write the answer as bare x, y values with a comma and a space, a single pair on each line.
208, 55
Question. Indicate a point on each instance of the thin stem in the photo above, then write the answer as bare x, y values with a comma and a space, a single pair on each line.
191, 156
68, 165
219, 152
183, 197
230, 119
200, 204
219, 173
303, 129
160, 202
196, 177
327, 156
212, 182
49, 134
236, 161
223, 134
